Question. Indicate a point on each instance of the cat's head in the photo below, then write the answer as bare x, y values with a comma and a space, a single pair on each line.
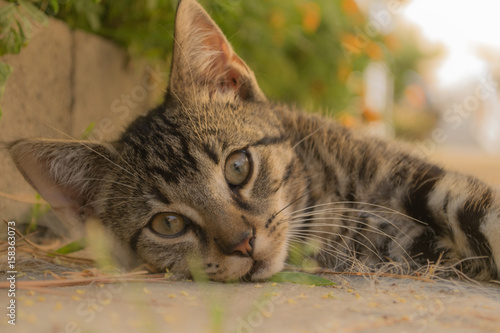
209, 173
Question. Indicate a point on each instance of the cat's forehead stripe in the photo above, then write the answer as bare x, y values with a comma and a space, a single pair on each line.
269, 140
211, 153
160, 196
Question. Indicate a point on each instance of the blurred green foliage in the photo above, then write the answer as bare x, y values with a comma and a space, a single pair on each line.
303, 51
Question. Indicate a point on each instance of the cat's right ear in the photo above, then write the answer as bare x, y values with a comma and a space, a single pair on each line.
66, 174
204, 61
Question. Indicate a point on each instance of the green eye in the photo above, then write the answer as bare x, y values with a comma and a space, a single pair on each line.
169, 224
237, 168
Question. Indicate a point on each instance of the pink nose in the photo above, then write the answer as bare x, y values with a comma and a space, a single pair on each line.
245, 247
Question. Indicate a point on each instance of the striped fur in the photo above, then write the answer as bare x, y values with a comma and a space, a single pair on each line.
365, 202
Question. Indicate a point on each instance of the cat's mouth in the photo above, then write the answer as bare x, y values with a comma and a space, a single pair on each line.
260, 270
257, 266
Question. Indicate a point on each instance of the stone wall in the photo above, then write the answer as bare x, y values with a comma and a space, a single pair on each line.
62, 82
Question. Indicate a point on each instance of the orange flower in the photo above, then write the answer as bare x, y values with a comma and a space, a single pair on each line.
415, 95
374, 51
351, 43
349, 7
311, 16
370, 115
348, 120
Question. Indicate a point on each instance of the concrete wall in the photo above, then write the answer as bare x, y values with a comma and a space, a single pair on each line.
62, 82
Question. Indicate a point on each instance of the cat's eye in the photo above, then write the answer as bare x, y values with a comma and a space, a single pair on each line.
237, 168
169, 224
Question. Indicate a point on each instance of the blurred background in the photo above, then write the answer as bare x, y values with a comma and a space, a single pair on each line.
424, 71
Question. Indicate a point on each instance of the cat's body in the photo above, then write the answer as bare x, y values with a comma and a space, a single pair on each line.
219, 172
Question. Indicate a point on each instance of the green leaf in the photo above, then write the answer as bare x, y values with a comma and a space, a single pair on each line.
31, 10
22, 35
38, 210
301, 278
94, 21
88, 131
11, 42
5, 71
55, 6
196, 268
7, 14
72, 247
32, 16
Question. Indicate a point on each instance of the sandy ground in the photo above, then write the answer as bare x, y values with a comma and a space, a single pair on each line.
354, 304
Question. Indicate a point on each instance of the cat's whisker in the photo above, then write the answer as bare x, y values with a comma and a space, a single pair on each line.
131, 173
313, 232
339, 217
129, 199
293, 201
297, 250
91, 149
327, 242
300, 232
309, 135
361, 203
102, 181
371, 229
353, 239
352, 228
346, 210
327, 249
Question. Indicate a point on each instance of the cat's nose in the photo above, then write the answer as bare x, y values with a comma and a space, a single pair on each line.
243, 247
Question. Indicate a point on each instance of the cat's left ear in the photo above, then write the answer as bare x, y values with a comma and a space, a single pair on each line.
203, 59
67, 174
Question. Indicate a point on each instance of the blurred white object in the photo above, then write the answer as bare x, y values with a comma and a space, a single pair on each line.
378, 97
488, 125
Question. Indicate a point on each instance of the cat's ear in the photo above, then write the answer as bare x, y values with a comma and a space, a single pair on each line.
66, 174
204, 59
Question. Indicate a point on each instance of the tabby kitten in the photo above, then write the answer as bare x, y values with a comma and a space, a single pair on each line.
219, 172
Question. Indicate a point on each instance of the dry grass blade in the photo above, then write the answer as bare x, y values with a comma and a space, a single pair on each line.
104, 279
41, 250
25, 198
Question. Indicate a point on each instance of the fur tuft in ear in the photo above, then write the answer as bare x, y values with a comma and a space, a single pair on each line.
204, 59
67, 174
